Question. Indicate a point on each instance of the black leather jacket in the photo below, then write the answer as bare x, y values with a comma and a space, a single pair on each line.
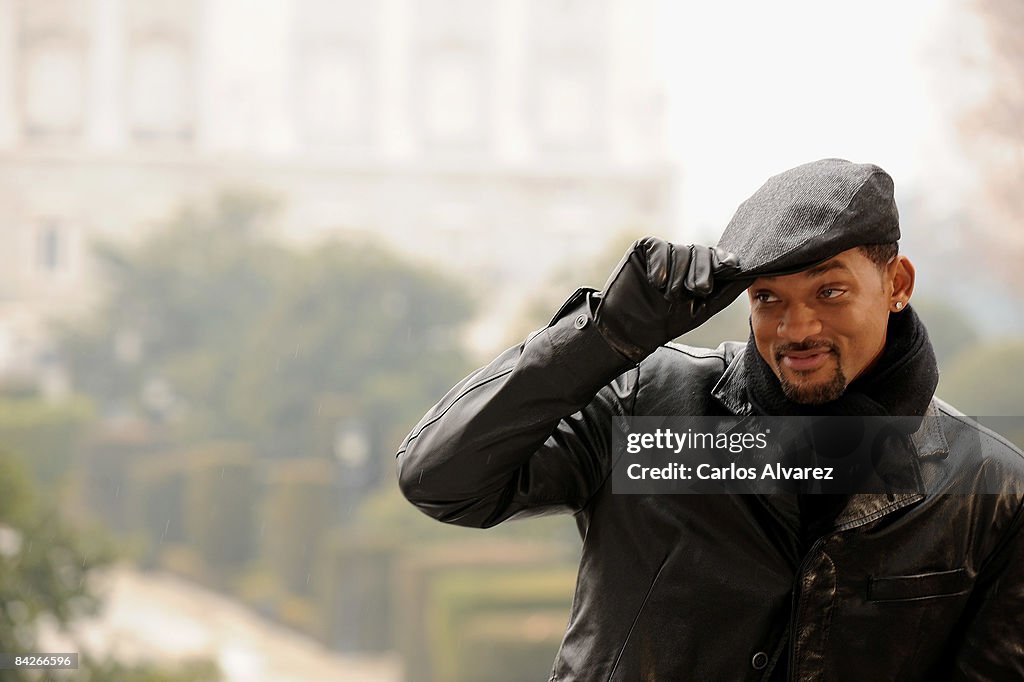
718, 587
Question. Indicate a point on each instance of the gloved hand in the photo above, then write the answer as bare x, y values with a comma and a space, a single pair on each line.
660, 290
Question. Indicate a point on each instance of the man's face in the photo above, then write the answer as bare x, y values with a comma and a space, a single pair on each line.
821, 328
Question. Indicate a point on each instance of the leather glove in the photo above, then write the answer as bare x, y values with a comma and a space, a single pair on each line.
661, 290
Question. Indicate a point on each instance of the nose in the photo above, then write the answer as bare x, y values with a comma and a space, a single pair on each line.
798, 322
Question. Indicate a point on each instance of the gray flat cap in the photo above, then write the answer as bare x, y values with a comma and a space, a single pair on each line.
811, 213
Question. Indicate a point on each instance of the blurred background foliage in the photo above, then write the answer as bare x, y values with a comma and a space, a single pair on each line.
993, 138
218, 332
46, 571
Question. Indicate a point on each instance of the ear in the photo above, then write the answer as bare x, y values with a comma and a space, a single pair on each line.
900, 276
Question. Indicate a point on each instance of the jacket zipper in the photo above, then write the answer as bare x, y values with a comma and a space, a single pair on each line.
798, 588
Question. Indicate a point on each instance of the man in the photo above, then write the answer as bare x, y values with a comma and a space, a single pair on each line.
923, 584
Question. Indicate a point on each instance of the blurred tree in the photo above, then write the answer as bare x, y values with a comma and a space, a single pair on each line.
45, 432
210, 326
985, 379
177, 307
45, 566
994, 137
358, 331
949, 329
43, 562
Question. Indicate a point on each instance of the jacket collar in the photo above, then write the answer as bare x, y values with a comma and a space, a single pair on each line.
862, 508
731, 389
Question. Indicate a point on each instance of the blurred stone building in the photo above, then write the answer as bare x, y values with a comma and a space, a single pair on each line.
493, 137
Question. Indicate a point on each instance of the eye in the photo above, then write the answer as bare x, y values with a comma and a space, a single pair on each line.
831, 292
765, 297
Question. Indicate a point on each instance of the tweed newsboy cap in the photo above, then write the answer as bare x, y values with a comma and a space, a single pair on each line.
810, 213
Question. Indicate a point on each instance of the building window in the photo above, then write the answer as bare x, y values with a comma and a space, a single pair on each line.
53, 87
52, 51
335, 99
439, 20
51, 247
453, 96
334, 46
567, 73
160, 88
455, 43
568, 104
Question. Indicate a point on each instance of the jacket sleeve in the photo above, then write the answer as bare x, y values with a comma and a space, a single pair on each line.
526, 435
993, 643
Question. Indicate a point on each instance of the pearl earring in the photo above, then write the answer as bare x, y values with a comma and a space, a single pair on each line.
899, 305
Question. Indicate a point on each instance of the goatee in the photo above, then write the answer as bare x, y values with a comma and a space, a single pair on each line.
810, 394
814, 394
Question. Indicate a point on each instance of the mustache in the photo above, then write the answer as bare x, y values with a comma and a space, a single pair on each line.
805, 346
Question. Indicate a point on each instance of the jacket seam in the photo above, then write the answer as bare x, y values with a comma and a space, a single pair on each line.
639, 612
449, 406
604, 480
1016, 528
874, 516
781, 649
698, 356
636, 393
718, 391
825, 625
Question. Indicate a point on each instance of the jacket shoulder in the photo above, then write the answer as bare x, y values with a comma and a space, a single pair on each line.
677, 378
980, 445
675, 358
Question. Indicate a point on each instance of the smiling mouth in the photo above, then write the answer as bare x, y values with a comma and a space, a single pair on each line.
803, 363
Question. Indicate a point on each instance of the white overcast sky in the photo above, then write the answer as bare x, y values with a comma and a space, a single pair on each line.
756, 87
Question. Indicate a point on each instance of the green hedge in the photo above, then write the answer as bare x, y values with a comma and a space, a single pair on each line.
260, 589
220, 508
509, 647
43, 434
460, 598
417, 572
299, 507
103, 468
157, 493
354, 591
182, 560
985, 379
